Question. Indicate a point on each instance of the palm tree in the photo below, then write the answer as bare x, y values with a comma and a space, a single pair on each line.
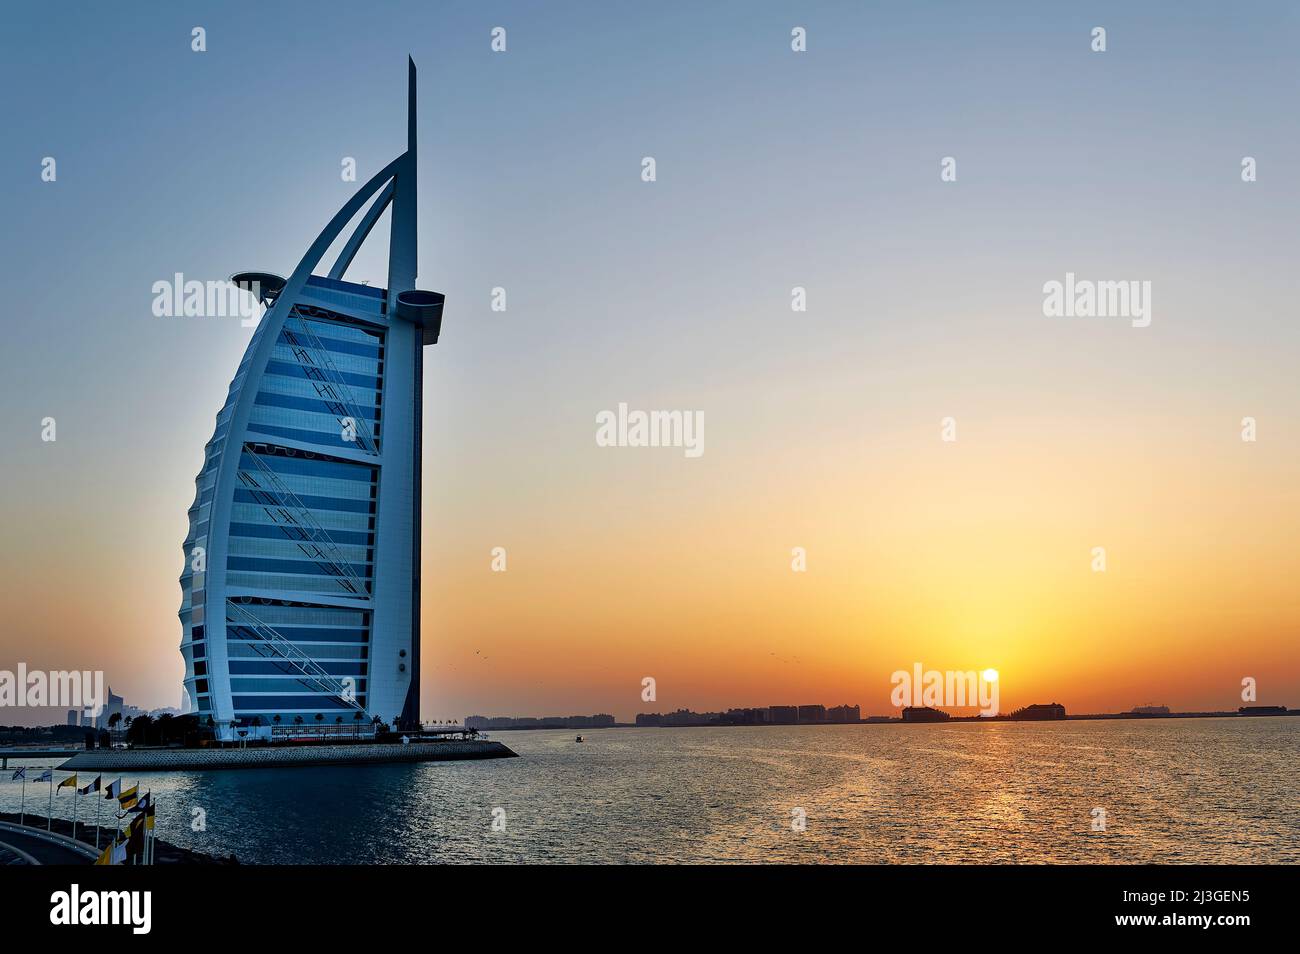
113, 720
297, 720
141, 728
356, 723
319, 719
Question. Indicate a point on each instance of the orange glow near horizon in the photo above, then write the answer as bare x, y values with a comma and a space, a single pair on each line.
960, 557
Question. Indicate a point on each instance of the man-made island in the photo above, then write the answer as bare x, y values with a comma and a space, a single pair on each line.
186, 743
282, 756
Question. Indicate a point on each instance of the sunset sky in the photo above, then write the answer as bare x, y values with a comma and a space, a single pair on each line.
822, 428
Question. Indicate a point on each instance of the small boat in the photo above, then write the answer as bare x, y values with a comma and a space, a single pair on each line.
578, 739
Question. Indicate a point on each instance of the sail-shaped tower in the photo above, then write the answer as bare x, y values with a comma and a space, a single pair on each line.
301, 589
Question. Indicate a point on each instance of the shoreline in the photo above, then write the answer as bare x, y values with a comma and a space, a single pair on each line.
165, 853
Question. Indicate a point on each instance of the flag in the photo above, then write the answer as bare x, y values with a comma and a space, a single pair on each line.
21, 773
135, 836
143, 804
112, 854
114, 789
69, 782
148, 816
46, 776
91, 787
128, 798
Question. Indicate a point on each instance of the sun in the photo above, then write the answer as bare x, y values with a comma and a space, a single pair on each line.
990, 675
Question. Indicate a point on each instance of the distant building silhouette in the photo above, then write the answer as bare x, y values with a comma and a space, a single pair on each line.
112, 706
844, 713
1261, 710
924, 714
681, 717
812, 713
688, 717
1150, 710
762, 715
759, 716
601, 720
1040, 712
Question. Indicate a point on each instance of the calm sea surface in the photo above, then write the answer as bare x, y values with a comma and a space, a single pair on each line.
1179, 791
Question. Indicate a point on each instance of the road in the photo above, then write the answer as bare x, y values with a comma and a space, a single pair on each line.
19, 846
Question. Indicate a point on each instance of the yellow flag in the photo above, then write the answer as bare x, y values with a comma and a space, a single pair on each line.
69, 782
107, 857
128, 798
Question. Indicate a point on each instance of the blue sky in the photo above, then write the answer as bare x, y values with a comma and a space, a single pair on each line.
775, 169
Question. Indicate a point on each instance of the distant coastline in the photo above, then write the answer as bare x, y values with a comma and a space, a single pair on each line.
687, 723
20, 736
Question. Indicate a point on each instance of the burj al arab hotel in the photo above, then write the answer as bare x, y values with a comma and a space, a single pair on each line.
301, 589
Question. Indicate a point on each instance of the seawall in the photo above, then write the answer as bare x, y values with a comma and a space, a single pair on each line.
175, 760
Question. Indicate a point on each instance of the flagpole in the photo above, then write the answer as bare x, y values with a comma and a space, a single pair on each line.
75, 802
109, 793
22, 810
98, 808
49, 811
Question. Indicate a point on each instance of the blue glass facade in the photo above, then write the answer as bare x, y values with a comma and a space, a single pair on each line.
302, 523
